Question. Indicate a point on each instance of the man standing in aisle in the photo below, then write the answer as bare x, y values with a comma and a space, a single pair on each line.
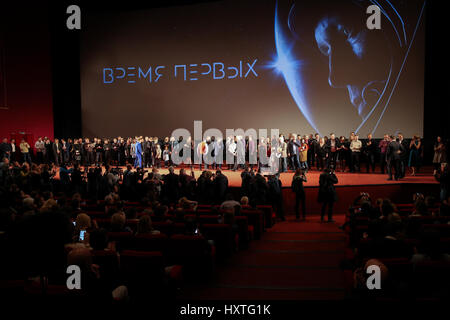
327, 193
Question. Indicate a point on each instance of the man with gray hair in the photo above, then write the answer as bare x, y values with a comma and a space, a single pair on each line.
28, 206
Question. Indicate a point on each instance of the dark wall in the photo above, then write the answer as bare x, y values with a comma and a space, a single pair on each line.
437, 67
65, 53
437, 83
26, 46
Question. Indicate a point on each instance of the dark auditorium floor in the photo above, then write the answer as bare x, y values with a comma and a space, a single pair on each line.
292, 261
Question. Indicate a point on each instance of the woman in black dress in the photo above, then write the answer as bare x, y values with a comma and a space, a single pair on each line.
343, 153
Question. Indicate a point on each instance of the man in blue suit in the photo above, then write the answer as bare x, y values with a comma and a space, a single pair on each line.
138, 159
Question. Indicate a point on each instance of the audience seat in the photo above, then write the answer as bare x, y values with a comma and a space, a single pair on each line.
245, 231
149, 242
432, 279
194, 253
122, 239
268, 215
142, 272
255, 219
164, 227
108, 262
132, 224
222, 236
208, 219
103, 222
444, 229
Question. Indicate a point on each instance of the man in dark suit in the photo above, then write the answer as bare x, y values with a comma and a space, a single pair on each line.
393, 155
327, 192
403, 154
221, 186
57, 152
276, 195
171, 186
333, 145
299, 190
48, 155
246, 177
5, 150
369, 149
292, 149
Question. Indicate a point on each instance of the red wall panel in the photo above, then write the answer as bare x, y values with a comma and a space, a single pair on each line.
27, 73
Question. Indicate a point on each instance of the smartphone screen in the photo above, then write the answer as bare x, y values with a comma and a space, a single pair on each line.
82, 232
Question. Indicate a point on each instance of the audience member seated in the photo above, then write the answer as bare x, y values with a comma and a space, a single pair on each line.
118, 221
161, 212
244, 201
229, 202
145, 226
187, 204
98, 240
92, 283
429, 248
388, 244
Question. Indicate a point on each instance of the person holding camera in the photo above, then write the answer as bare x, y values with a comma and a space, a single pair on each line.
327, 192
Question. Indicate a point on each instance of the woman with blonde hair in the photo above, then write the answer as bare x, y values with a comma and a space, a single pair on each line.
49, 205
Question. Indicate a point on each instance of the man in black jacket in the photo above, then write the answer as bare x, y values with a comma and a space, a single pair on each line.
369, 150
171, 186
393, 155
221, 186
299, 190
333, 145
276, 195
403, 155
57, 152
327, 192
292, 150
5, 150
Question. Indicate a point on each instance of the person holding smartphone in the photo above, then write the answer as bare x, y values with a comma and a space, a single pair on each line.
82, 223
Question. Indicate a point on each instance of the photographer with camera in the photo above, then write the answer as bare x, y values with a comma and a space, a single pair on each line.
327, 192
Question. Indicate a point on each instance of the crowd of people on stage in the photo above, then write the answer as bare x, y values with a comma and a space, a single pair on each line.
393, 153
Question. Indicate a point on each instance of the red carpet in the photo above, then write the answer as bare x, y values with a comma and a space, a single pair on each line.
292, 261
